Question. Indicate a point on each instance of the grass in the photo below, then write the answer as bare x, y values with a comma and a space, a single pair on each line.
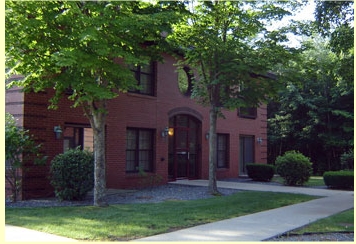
132, 221
342, 222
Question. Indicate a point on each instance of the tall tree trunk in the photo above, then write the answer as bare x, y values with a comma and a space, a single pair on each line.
212, 151
97, 118
99, 162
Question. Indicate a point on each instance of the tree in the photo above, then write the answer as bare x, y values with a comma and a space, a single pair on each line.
330, 15
315, 111
19, 146
231, 53
87, 48
335, 20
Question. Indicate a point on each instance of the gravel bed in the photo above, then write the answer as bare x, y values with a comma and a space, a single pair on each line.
339, 236
149, 195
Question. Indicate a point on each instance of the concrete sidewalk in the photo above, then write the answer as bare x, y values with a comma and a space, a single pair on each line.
254, 227
19, 234
267, 224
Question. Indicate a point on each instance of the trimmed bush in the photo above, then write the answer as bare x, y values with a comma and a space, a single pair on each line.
260, 172
72, 174
294, 168
339, 179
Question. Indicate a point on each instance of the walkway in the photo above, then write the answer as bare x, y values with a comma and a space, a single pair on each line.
19, 234
267, 224
254, 227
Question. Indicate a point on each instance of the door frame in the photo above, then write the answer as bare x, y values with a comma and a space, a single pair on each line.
242, 156
174, 151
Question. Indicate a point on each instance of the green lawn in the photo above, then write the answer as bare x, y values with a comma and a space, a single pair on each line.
131, 221
337, 223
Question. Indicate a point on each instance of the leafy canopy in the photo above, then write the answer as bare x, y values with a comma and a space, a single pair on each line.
315, 111
231, 50
77, 45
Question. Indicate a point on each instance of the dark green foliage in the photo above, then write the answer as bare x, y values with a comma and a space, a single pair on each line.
339, 179
72, 174
347, 160
294, 168
314, 114
260, 172
315, 111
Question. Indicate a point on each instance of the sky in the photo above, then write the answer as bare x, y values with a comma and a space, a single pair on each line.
305, 14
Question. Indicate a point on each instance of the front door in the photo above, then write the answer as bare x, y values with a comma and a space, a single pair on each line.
183, 147
247, 152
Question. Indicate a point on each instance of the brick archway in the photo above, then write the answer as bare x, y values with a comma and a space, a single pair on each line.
185, 110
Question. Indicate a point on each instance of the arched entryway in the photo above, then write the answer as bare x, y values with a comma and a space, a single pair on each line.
184, 147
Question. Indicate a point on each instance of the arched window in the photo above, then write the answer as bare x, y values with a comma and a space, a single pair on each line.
185, 78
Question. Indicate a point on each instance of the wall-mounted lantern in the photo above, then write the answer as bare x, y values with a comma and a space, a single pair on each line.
58, 131
207, 135
171, 131
259, 140
165, 132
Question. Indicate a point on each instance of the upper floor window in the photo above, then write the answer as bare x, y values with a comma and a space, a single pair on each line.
250, 113
145, 76
222, 150
185, 83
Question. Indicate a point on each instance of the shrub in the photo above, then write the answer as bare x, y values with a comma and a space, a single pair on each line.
72, 174
294, 168
339, 179
260, 172
20, 147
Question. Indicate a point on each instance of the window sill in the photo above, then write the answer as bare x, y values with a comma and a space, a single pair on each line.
222, 169
246, 117
141, 96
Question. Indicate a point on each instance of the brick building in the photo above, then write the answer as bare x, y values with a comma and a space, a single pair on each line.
159, 129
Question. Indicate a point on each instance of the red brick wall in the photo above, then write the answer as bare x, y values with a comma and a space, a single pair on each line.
133, 110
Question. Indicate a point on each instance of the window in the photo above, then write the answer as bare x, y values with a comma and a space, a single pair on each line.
222, 150
249, 113
185, 83
139, 150
145, 76
76, 135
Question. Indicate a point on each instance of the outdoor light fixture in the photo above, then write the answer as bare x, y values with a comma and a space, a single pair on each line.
165, 132
207, 135
164, 34
259, 140
171, 131
57, 131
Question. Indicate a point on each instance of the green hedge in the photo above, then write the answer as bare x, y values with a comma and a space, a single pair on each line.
260, 172
339, 179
